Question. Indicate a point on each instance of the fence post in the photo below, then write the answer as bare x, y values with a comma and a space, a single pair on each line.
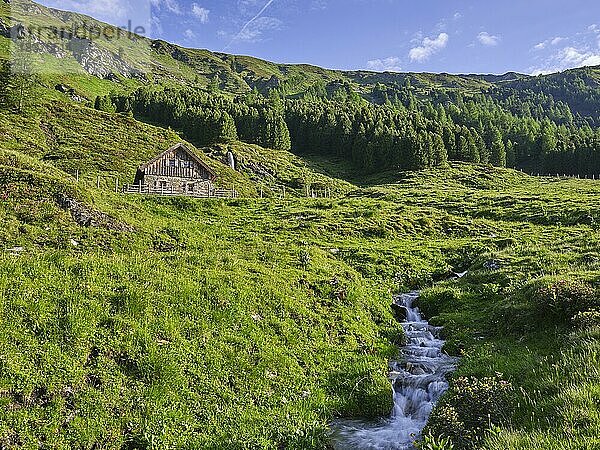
116, 185
284, 192
98, 182
77, 175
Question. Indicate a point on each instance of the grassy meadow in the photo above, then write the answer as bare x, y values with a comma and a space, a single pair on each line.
252, 323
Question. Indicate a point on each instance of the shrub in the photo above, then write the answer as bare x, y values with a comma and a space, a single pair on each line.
561, 300
430, 442
469, 408
587, 319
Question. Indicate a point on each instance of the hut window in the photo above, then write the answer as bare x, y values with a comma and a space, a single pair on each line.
172, 163
190, 187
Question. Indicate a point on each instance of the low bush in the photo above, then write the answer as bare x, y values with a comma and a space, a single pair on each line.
469, 408
559, 300
432, 443
587, 319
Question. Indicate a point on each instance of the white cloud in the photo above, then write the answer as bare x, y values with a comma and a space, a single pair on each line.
575, 57
200, 13
595, 29
390, 64
457, 16
109, 10
568, 58
254, 31
120, 13
189, 34
428, 47
253, 28
487, 39
171, 6
318, 5
549, 42
583, 49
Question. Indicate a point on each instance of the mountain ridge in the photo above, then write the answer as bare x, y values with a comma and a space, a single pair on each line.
235, 73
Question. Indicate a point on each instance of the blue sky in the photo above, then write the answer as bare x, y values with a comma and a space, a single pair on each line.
459, 36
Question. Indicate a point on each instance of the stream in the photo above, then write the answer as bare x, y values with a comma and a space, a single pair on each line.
418, 379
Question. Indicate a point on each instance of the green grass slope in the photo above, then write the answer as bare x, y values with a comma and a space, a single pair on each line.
78, 139
211, 324
144, 322
252, 323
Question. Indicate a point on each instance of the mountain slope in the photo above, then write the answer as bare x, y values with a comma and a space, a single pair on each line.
139, 56
252, 323
132, 322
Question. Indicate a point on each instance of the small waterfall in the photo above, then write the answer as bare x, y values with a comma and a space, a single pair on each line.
419, 380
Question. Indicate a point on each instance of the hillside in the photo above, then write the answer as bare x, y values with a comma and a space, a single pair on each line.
258, 321
136, 57
275, 313
546, 124
147, 322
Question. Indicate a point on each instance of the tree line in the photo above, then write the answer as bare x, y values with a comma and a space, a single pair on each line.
396, 128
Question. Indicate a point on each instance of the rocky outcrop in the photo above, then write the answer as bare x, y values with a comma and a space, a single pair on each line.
262, 85
88, 217
164, 48
15, 32
70, 92
4, 29
100, 62
94, 59
30, 8
19, 32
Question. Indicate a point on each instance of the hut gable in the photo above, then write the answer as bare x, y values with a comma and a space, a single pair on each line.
176, 162
177, 171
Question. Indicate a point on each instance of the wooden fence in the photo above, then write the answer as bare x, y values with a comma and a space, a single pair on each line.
566, 177
111, 182
208, 192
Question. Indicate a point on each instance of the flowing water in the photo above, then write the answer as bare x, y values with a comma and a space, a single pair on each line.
419, 379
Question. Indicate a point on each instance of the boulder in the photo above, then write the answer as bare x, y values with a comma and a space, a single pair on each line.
88, 217
492, 265
400, 312
70, 92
